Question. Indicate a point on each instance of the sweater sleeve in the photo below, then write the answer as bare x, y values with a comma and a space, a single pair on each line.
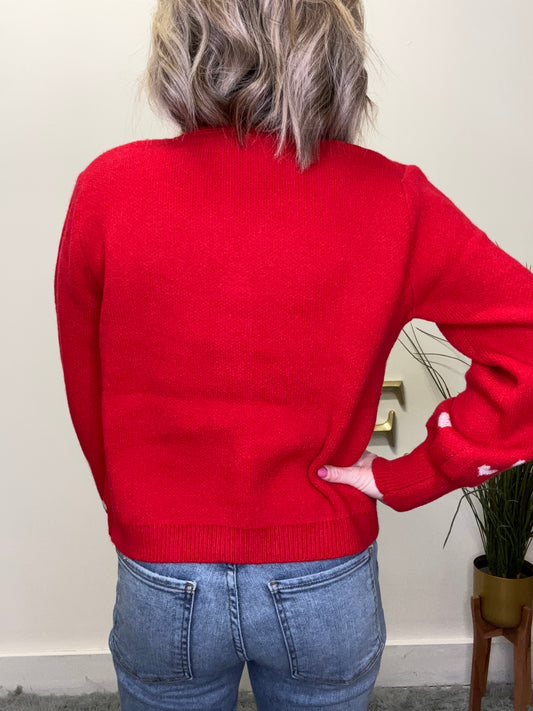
481, 299
78, 292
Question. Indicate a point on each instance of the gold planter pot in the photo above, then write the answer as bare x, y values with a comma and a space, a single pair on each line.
502, 598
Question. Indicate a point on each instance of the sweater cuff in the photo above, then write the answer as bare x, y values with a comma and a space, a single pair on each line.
410, 481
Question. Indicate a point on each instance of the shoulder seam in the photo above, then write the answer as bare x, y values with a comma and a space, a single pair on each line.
410, 226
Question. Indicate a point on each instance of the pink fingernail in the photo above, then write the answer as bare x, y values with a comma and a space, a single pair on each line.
322, 472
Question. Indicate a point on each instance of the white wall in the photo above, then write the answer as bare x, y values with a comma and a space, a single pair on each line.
453, 85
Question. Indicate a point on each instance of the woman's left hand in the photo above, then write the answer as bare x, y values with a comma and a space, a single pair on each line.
358, 475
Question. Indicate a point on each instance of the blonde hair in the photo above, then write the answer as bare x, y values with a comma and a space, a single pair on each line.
293, 68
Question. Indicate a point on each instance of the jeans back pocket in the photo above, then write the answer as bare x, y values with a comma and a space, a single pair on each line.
151, 624
332, 621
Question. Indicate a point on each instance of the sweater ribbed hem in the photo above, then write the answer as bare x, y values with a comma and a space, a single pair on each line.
169, 542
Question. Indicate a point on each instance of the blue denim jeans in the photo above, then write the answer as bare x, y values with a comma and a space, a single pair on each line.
311, 633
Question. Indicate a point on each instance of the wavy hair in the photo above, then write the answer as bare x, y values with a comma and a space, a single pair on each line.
292, 68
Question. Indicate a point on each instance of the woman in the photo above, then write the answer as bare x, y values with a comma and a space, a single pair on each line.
226, 304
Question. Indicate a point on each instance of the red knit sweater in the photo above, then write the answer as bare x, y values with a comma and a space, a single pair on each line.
224, 325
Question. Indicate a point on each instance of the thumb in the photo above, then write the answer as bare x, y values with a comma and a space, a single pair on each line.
339, 475
360, 477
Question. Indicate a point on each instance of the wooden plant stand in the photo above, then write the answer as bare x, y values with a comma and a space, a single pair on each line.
520, 637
